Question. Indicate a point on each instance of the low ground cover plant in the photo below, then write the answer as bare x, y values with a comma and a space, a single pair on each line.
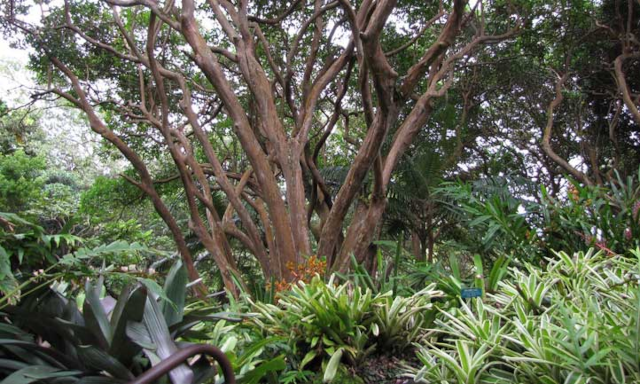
327, 324
577, 321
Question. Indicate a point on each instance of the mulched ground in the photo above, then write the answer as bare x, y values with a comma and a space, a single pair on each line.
384, 369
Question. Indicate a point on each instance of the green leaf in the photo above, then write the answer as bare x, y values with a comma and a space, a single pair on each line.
101, 361
230, 344
332, 366
175, 288
36, 373
375, 329
99, 380
255, 348
479, 220
113, 248
254, 376
5, 263
12, 365
154, 288
455, 267
307, 358
94, 314
161, 338
129, 308
51, 355
479, 273
15, 219
20, 255
139, 334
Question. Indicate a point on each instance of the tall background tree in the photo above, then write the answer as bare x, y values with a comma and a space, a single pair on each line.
255, 101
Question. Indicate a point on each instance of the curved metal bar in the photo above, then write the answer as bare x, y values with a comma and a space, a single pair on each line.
183, 354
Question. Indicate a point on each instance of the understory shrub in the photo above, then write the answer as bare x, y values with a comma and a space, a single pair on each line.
97, 338
502, 217
50, 338
326, 323
577, 321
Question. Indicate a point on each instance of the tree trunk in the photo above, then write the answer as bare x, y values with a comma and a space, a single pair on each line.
417, 246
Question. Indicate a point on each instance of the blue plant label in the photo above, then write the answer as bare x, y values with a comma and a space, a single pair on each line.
468, 293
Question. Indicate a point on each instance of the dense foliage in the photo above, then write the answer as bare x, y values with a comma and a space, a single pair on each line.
349, 191
577, 321
290, 130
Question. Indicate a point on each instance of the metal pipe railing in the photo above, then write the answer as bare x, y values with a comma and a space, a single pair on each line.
183, 354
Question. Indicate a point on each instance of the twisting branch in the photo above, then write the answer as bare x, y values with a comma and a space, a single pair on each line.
444, 41
418, 35
278, 19
151, 5
623, 87
548, 130
146, 183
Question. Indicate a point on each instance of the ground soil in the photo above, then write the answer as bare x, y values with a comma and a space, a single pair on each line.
384, 369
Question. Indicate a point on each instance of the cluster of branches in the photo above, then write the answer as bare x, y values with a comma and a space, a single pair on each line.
286, 82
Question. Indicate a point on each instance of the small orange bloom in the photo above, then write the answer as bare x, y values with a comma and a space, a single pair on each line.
302, 272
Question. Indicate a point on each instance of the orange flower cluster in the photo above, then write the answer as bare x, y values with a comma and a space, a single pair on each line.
574, 194
302, 272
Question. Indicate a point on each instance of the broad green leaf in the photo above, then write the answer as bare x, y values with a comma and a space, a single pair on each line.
154, 288
94, 314
130, 308
254, 376
176, 293
101, 361
332, 366
161, 338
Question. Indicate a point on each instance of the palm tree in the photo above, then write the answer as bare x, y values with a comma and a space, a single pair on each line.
412, 207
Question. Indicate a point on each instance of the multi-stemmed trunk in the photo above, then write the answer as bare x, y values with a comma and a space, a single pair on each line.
276, 144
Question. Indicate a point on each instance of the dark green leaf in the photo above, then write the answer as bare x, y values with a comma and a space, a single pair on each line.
175, 288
